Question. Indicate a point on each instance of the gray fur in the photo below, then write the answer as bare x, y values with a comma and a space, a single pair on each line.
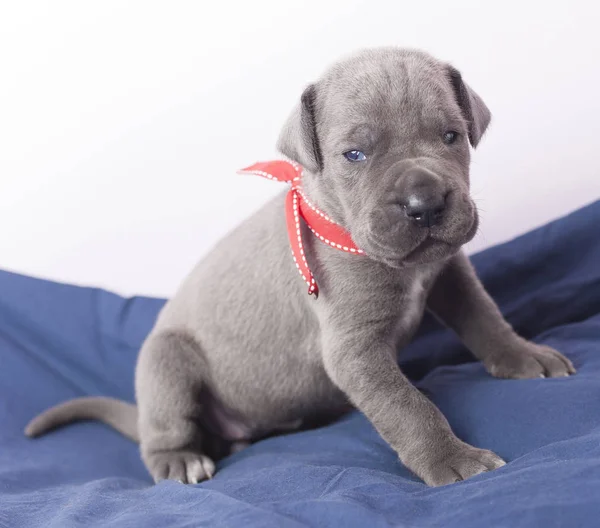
118, 414
241, 351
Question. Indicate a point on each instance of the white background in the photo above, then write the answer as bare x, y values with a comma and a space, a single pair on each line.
122, 122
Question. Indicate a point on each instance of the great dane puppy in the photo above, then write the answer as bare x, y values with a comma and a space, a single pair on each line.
241, 351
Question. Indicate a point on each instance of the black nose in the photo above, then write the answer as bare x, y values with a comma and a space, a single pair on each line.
425, 209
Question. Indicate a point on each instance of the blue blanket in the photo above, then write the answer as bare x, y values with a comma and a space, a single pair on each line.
59, 341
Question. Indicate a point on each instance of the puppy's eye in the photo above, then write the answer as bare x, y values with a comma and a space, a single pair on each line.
450, 137
355, 155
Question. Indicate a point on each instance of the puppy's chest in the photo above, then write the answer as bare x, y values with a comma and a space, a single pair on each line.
411, 306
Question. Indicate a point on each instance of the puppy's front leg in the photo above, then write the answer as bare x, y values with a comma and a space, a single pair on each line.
460, 301
365, 369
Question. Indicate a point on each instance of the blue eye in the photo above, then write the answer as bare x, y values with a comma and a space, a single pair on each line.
355, 155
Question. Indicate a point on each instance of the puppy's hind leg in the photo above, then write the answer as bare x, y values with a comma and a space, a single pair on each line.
169, 379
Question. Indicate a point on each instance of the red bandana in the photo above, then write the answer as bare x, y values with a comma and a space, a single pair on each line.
298, 206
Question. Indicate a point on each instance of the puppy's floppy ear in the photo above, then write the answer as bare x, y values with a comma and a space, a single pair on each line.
298, 139
473, 108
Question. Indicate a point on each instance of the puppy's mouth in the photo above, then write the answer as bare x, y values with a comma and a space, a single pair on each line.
426, 245
429, 249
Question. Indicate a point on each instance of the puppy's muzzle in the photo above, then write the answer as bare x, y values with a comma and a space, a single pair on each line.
422, 196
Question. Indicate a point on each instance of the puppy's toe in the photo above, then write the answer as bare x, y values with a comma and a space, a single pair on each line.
199, 469
187, 467
553, 366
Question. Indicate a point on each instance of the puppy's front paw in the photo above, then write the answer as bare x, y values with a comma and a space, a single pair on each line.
528, 360
187, 467
454, 462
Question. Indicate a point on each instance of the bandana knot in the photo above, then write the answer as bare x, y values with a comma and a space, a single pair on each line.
297, 206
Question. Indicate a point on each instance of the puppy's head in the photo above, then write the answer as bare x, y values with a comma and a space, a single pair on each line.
384, 139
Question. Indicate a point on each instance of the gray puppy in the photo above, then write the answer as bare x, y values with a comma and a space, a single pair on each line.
241, 351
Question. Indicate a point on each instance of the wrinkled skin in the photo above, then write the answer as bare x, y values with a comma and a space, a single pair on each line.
410, 102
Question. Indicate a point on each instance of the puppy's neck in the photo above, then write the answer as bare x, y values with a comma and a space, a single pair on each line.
330, 205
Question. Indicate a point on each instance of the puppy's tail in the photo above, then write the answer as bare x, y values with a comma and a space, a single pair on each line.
120, 415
